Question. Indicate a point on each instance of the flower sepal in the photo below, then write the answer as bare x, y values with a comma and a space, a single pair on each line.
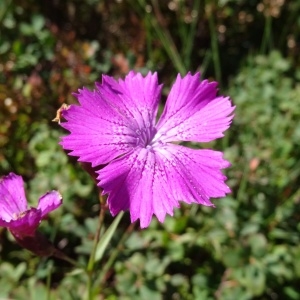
36, 243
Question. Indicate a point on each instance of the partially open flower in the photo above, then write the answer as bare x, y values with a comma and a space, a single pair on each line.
15, 214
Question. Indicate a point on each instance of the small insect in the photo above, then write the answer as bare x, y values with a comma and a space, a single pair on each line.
59, 115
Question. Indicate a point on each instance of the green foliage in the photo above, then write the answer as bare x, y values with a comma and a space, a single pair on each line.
246, 248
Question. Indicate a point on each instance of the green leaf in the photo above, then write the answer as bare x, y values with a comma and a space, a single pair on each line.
104, 241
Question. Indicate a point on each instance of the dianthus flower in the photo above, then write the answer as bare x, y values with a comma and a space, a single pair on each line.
21, 220
145, 170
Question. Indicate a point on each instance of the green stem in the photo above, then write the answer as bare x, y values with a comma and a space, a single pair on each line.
48, 283
182, 30
205, 62
266, 40
59, 254
91, 263
102, 245
292, 18
214, 43
114, 254
189, 41
163, 34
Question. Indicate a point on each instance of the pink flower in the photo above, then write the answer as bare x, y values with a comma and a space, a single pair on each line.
21, 220
145, 172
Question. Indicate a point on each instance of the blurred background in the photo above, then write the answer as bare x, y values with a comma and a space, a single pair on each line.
246, 248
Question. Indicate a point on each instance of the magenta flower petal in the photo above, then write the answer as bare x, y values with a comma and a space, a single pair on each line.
109, 121
132, 183
12, 196
153, 182
145, 173
137, 96
26, 223
193, 112
15, 214
48, 202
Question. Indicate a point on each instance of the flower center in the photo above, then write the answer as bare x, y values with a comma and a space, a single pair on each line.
20, 215
144, 136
